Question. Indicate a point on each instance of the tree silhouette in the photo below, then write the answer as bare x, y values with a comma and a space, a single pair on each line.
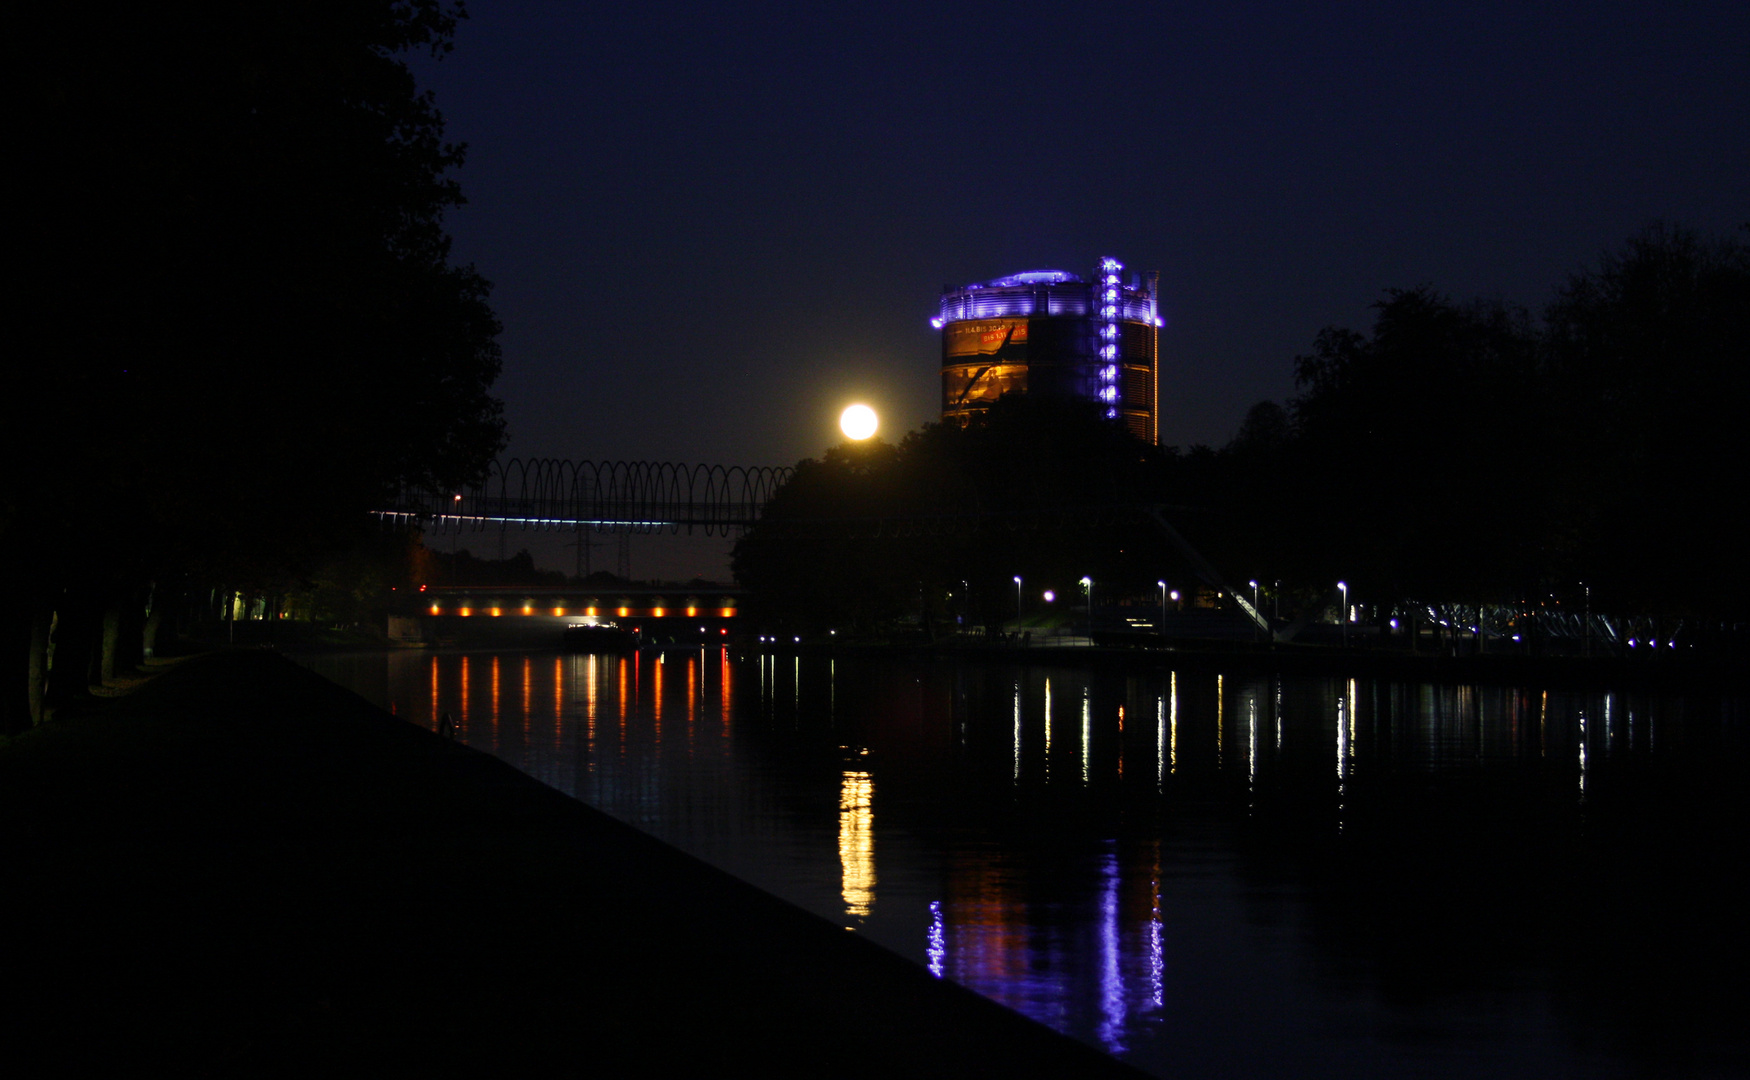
1037, 487
1650, 354
1418, 464
243, 321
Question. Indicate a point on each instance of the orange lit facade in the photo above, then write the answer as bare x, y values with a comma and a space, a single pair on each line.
1049, 332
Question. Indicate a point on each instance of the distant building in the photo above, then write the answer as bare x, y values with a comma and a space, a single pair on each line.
1051, 332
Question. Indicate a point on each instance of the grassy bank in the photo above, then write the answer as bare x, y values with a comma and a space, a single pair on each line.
240, 868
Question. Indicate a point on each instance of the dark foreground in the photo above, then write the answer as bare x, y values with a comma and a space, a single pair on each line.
242, 868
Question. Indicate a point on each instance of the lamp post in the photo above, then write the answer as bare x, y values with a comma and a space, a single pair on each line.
1256, 614
1163, 586
1088, 587
1344, 614
1017, 599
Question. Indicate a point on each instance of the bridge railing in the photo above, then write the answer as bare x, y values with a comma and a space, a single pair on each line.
606, 496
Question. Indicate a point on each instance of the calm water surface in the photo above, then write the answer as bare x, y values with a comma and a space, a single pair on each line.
1205, 875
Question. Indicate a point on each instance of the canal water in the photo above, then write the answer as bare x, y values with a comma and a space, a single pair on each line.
1204, 874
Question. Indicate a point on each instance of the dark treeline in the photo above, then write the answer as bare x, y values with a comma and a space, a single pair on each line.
871, 530
1470, 452
1459, 452
243, 324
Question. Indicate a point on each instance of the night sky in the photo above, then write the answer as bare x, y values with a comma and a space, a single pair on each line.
712, 226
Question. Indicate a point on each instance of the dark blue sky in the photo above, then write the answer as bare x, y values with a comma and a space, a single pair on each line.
712, 225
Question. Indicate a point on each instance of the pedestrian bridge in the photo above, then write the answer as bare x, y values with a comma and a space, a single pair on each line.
600, 496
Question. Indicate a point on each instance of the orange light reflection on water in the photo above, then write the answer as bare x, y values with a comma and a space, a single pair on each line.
724, 688
695, 671
463, 719
591, 689
494, 712
624, 671
857, 842
656, 697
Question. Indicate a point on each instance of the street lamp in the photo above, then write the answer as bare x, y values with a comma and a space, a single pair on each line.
1257, 616
1163, 586
1344, 586
1017, 598
1088, 587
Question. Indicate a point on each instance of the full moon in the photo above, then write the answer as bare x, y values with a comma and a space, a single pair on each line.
857, 422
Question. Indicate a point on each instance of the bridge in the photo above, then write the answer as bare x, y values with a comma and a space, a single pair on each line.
600, 496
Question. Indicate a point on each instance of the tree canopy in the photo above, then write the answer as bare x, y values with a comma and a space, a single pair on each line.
1469, 451
243, 324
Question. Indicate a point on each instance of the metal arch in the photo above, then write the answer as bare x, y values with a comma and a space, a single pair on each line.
603, 496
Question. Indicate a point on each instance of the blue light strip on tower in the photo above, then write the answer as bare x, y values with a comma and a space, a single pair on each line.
1109, 296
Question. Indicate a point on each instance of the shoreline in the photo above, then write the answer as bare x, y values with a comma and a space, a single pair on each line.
1656, 672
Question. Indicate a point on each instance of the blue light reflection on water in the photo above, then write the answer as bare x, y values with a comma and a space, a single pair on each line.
1205, 874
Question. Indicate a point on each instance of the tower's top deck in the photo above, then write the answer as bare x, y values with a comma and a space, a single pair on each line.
1026, 277
1044, 294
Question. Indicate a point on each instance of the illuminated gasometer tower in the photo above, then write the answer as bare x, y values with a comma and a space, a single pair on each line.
1051, 332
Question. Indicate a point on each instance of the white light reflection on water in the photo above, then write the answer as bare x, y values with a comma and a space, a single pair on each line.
1066, 897
1251, 749
1087, 734
1160, 743
1048, 729
1173, 715
1342, 757
1220, 727
1279, 715
1582, 751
